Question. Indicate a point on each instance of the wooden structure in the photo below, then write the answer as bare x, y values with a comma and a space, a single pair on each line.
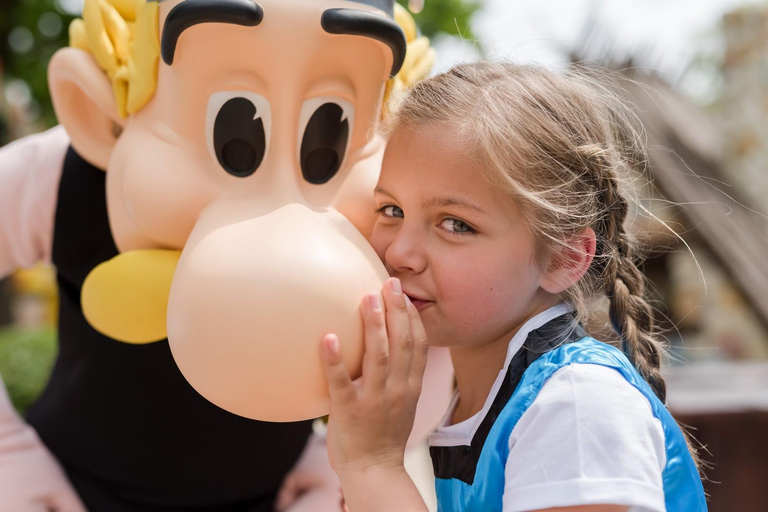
724, 403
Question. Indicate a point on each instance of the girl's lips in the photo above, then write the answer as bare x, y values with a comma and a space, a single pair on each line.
420, 303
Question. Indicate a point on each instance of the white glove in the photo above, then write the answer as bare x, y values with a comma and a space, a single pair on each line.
312, 485
31, 479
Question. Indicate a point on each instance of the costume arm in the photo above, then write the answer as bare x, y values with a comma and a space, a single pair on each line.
437, 390
31, 479
30, 170
436, 394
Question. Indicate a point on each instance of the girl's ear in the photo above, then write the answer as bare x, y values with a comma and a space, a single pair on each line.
570, 262
84, 102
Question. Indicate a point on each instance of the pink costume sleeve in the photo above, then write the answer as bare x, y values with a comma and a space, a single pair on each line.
30, 170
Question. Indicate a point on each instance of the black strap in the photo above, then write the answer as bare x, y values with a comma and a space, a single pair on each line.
460, 462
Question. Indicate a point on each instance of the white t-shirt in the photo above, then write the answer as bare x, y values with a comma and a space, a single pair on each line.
589, 437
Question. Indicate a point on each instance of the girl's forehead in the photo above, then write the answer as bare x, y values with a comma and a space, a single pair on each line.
433, 166
418, 170
439, 134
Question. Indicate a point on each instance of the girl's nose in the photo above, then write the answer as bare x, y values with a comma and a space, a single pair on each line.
407, 252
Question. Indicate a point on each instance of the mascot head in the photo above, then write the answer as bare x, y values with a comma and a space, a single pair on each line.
238, 138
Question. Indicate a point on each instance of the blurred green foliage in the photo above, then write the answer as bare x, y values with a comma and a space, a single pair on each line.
447, 16
26, 358
30, 33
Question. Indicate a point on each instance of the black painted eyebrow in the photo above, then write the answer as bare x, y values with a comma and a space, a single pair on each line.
189, 13
367, 24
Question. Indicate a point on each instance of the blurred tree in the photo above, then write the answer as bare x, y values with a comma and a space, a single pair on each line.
30, 32
5, 286
4, 134
447, 16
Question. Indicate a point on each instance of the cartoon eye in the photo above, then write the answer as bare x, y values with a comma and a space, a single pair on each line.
238, 129
324, 131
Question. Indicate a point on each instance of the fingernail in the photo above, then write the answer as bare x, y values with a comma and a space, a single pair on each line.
333, 344
375, 301
395, 286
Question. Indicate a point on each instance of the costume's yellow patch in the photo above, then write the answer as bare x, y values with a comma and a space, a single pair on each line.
126, 298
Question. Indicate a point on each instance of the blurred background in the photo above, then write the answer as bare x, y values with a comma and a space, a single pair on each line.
698, 73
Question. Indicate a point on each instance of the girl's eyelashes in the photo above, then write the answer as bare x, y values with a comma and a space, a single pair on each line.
449, 224
456, 226
391, 211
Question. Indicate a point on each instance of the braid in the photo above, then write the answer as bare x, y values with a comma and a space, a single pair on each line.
624, 284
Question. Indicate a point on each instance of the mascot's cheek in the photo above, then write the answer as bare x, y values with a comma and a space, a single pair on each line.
251, 301
156, 194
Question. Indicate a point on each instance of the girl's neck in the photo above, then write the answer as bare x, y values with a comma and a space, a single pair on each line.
476, 370
477, 367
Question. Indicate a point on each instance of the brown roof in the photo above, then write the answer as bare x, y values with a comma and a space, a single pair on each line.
684, 151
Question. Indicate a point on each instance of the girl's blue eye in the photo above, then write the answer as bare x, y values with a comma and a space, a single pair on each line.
392, 211
456, 226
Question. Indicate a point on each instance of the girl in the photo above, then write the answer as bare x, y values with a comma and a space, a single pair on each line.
500, 216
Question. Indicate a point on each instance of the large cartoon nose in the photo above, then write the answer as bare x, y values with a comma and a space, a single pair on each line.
251, 299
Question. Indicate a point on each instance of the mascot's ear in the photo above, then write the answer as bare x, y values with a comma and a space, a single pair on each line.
84, 102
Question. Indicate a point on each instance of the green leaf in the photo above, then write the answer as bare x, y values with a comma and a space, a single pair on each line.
26, 358
446, 16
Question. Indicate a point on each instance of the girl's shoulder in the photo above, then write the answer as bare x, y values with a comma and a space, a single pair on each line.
592, 393
589, 384
590, 430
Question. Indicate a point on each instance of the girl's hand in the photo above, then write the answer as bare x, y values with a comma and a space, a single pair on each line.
371, 419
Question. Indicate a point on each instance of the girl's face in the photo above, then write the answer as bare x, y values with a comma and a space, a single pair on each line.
461, 249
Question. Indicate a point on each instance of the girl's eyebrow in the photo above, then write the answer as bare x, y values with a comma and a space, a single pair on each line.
440, 202
451, 202
380, 190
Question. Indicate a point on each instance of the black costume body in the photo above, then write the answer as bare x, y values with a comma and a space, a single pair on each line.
130, 432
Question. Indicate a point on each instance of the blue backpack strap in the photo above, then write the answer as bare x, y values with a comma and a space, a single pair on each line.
683, 489
459, 462
682, 485
455, 467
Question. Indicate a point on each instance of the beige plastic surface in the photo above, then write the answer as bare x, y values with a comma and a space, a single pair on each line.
245, 332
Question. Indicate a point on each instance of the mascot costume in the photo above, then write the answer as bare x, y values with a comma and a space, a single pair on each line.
205, 203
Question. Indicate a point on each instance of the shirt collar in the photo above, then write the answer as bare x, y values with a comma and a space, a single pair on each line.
531, 325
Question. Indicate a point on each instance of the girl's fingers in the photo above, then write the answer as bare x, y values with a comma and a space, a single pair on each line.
399, 330
376, 358
340, 386
420, 344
